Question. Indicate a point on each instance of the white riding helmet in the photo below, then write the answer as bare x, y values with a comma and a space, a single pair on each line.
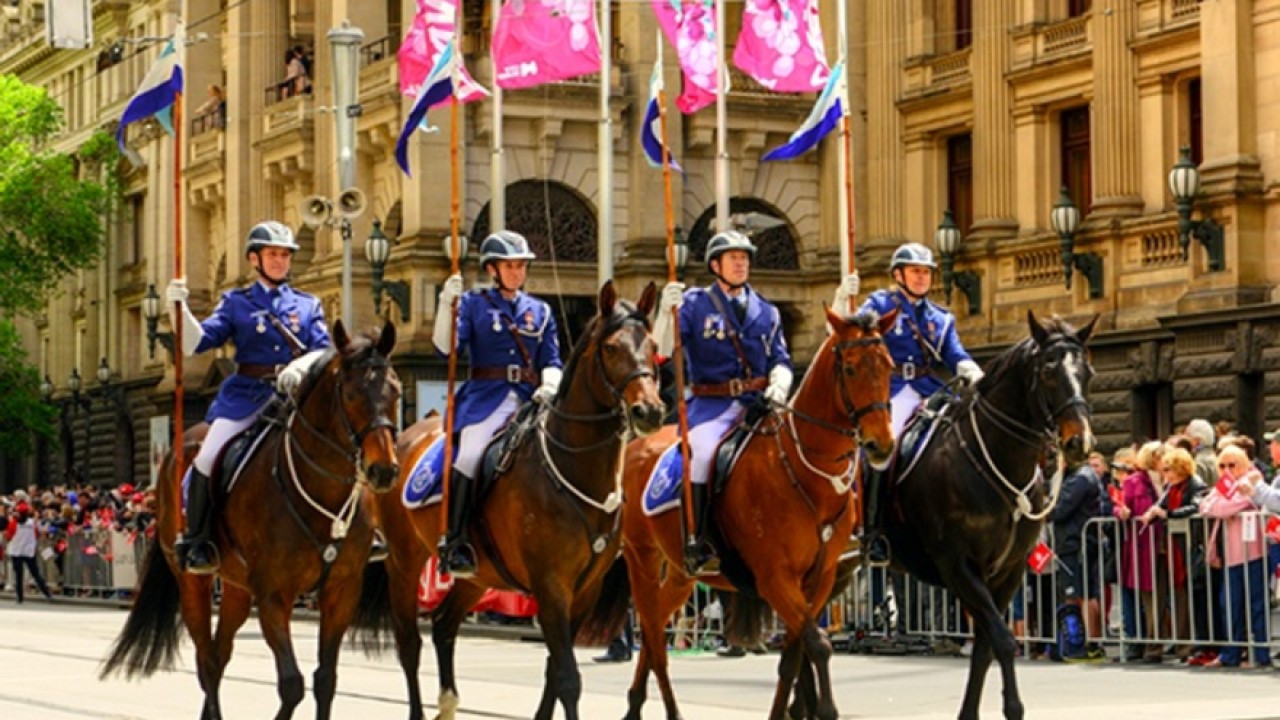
726, 241
270, 234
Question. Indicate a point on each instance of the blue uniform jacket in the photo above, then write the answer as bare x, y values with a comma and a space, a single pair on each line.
241, 317
712, 358
936, 327
483, 333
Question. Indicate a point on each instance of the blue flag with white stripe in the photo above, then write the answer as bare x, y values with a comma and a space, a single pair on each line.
441, 84
651, 127
159, 90
825, 117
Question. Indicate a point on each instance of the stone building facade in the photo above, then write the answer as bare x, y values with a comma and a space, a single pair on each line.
984, 108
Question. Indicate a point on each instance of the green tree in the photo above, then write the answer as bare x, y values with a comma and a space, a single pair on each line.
52, 211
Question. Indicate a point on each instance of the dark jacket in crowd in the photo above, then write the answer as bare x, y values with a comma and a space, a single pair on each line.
1080, 500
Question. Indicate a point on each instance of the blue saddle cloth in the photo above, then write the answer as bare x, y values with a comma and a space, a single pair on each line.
424, 486
663, 490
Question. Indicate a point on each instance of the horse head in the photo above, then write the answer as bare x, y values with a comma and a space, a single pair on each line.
1060, 382
369, 396
623, 373
861, 367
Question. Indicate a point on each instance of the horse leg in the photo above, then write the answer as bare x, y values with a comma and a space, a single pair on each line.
655, 599
337, 608
404, 620
818, 649
547, 703
806, 694
196, 607
445, 622
991, 634
562, 666
788, 669
273, 617
232, 613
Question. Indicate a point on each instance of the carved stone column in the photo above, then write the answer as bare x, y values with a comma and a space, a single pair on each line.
1114, 111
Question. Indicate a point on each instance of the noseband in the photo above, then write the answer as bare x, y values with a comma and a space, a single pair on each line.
616, 389
852, 410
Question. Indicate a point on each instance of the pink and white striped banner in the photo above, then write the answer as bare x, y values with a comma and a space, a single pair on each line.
780, 45
543, 41
433, 27
690, 25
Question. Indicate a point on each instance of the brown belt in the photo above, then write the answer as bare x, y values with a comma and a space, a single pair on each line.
257, 372
511, 373
733, 388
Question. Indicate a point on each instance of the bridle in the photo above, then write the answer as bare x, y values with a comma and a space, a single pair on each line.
852, 410
616, 389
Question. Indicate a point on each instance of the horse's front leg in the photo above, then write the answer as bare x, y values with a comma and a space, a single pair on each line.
991, 634
403, 577
338, 603
806, 694
274, 611
562, 666
232, 613
979, 663
445, 622
195, 603
788, 669
818, 649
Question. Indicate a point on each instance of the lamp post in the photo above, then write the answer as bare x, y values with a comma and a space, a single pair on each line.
112, 392
1184, 183
463, 249
345, 42
947, 237
1065, 219
151, 313
74, 384
377, 248
46, 389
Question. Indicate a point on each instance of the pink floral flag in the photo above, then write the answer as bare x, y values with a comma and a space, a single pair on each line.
690, 25
544, 41
432, 29
780, 45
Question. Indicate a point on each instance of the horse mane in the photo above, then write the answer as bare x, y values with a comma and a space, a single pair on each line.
623, 310
1017, 356
867, 320
360, 346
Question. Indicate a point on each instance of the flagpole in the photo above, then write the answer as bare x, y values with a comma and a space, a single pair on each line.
604, 251
497, 168
722, 123
677, 353
455, 204
179, 272
848, 259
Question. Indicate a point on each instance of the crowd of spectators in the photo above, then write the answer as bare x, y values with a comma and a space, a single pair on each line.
72, 526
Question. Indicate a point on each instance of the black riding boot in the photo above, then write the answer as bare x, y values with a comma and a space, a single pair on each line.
699, 554
457, 557
873, 541
196, 554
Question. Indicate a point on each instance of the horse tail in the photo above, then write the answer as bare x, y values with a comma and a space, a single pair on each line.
605, 620
149, 640
372, 627
745, 618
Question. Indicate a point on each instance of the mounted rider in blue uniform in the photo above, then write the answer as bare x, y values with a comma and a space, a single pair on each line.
736, 353
923, 341
278, 333
512, 340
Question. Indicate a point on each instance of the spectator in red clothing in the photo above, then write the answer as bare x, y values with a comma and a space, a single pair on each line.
21, 537
1138, 566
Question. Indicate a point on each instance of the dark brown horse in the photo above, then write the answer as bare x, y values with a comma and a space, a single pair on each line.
966, 515
549, 525
783, 518
297, 519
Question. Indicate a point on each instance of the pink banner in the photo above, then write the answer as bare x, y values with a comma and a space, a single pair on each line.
432, 28
690, 26
780, 45
543, 41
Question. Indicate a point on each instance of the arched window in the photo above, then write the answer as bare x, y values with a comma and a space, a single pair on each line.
554, 218
776, 246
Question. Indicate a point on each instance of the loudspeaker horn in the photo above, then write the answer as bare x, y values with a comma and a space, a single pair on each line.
351, 203
316, 210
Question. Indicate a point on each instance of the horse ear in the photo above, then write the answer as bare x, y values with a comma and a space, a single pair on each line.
387, 341
648, 299
340, 338
887, 321
1087, 330
834, 319
608, 298
1037, 330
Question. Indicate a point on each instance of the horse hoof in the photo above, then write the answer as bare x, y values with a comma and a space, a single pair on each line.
448, 706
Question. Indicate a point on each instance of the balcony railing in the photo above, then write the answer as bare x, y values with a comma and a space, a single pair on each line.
284, 90
379, 50
209, 121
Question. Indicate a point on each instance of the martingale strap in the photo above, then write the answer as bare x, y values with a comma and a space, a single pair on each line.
513, 329
732, 332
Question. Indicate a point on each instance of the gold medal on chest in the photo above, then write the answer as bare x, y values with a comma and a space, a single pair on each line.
262, 325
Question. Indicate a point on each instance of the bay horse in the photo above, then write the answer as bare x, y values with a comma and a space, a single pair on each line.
297, 519
549, 525
782, 519
969, 511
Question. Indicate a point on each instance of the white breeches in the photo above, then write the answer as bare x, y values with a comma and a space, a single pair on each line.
904, 406
221, 431
475, 438
705, 439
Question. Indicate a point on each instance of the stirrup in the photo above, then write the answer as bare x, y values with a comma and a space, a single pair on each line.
378, 550
878, 550
701, 560
198, 558
459, 560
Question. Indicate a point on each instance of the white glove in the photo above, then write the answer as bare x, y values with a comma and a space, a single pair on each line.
291, 376
672, 298
546, 391
847, 288
177, 291
969, 371
780, 378
451, 291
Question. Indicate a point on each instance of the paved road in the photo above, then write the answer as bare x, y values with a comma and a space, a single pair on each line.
49, 656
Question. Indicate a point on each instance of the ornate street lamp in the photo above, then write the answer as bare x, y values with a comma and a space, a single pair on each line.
46, 389
1065, 219
377, 249
947, 237
151, 313
1184, 183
